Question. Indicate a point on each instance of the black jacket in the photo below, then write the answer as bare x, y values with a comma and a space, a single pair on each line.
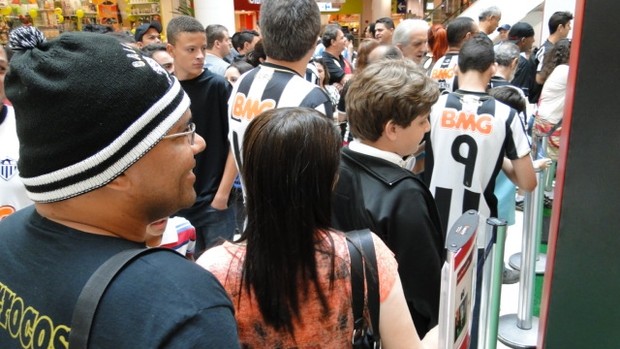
398, 207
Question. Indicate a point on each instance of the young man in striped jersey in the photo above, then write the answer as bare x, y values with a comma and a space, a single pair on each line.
470, 134
459, 30
289, 34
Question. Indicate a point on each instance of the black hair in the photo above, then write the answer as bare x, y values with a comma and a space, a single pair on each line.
387, 21
557, 18
457, 30
290, 164
149, 49
476, 54
511, 96
240, 38
254, 57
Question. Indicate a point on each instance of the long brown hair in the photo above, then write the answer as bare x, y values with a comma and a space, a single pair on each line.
290, 163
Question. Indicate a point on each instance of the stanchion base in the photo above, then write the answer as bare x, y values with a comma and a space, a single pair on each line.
511, 335
515, 262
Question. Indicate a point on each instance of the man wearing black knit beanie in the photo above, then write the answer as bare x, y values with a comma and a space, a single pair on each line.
107, 146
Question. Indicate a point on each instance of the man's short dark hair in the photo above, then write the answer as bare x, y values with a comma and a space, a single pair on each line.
240, 38
557, 18
289, 28
149, 49
215, 32
387, 21
182, 24
330, 33
458, 28
476, 54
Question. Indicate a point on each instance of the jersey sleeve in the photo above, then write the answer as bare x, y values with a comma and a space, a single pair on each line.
518, 144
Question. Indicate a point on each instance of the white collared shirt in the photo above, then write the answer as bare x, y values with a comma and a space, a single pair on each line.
394, 158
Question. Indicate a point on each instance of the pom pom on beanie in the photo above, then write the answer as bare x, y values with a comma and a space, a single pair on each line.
26, 37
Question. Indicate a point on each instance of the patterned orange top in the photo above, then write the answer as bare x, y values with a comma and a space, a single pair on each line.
315, 329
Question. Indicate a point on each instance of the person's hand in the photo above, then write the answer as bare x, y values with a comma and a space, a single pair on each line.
542, 164
220, 202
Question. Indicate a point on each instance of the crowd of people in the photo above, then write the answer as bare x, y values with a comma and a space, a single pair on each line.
227, 150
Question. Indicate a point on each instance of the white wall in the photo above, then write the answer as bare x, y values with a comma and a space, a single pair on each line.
216, 12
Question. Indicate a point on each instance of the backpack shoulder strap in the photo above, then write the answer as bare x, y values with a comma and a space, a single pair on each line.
88, 301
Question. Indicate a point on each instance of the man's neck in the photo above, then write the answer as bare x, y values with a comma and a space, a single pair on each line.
554, 38
130, 229
453, 49
182, 76
214, 53
474, 81
298, 66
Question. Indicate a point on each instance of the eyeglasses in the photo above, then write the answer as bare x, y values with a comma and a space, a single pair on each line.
190, 132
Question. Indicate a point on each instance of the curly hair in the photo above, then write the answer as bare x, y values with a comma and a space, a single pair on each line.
559, 54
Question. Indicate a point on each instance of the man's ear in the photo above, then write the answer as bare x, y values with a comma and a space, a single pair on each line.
514, 63
120, 183
389, 130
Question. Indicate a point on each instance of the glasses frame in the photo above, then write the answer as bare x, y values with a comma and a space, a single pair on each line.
190, 133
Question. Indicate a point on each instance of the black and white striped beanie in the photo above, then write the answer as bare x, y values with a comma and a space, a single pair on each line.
87, 107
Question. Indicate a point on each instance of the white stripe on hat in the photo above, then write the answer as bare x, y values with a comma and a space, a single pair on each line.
124, 162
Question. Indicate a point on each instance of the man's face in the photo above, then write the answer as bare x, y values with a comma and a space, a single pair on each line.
527, 43
163, 190
340, 42
494, 23
564, 30
165, 60
383, 34
415, 49
232, 75
224, 45
151, 36
249, 46
409, 137
189, 54
503, 35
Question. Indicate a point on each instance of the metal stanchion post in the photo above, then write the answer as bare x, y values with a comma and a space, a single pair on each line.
492, 285
537, 216
521, 330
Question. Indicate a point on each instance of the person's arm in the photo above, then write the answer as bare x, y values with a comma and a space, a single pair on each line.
522, 173
220, 201
395, 324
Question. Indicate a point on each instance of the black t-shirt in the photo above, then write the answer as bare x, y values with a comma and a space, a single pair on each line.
525, 76
209, 95
159, 300
335, 66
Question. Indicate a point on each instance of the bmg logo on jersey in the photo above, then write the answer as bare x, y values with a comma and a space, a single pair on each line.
8, 168
458, 119
248, 108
